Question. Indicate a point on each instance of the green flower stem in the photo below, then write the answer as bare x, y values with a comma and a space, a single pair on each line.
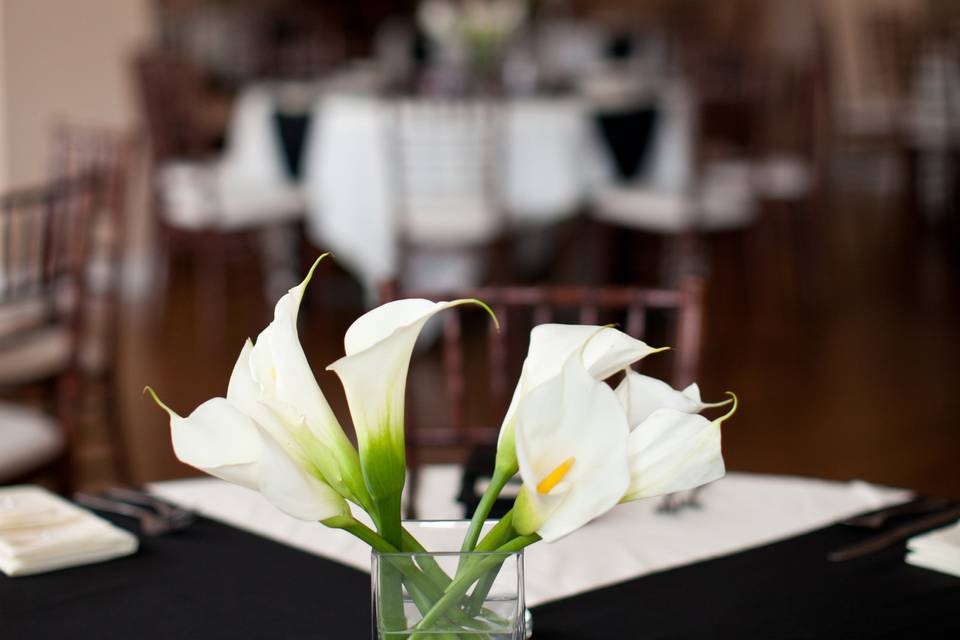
424, 602
391, 580
368, 535
388, 510
392, 588
429, 565
497, 483
461, 584
423, 589
499, 535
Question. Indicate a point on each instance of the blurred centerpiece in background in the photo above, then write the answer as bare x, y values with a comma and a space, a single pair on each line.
471, 36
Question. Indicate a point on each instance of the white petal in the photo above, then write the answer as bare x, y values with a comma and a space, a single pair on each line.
218, 439
642, 395
280, 368
373, 372
608, 351
288, 390
378, 347
377, 324
571, 416
693, 392
674, 451
292, 489
243, 392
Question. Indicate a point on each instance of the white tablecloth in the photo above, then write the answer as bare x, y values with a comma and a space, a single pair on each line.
551, 161
740, 511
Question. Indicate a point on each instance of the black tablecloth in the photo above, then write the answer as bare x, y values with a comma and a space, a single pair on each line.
213, 581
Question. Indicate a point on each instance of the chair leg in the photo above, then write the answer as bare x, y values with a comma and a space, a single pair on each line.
413, 485
66, 390
119, 451
164, 266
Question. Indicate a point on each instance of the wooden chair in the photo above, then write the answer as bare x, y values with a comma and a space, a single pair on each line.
114, 157
445, 172
518, 308
44, 237
192, 218
181, 119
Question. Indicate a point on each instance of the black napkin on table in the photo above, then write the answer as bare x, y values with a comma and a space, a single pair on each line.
479, 467
292, 129
627, 135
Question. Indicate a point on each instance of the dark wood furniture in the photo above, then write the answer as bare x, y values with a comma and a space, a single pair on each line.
115, 157
186, 123
44, 244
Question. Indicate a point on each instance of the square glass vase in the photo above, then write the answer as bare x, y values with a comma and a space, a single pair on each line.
443, 594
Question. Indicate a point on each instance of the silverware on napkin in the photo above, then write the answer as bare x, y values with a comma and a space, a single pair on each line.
889, 538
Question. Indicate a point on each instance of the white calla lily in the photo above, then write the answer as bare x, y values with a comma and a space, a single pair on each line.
642, 395
373, 372
276, 385
605, 351
223, 441
571, 444
674, 451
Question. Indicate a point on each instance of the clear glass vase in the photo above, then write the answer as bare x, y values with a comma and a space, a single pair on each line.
444, 594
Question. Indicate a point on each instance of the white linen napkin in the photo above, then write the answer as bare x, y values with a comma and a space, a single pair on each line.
40, 531
938, 550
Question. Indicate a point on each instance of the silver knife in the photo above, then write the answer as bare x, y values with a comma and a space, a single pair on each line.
877, 519
889, 538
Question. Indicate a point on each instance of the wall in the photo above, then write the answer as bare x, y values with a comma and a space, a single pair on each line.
64, 60
3, 105
68, 61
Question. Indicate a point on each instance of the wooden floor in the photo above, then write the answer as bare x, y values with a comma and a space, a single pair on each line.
838, 326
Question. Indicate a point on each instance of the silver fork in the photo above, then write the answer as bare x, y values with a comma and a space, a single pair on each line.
151, 524
170, 512
675, 502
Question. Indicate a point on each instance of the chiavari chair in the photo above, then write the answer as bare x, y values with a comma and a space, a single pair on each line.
114, 157
44, 245
445, 160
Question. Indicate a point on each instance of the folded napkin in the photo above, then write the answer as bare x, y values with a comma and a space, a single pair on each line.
40, 531
938, 550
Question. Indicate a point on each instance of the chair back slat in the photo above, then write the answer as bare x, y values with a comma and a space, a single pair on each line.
588, 314
44, 246
498, 354
636, 321
79, 150
541, 314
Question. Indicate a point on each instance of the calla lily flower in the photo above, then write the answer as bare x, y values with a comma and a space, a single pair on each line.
605, 351
223, 441
378, 348
670, 447
277, 386
571, 444
673, 451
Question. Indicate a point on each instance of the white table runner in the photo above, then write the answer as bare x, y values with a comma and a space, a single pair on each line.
740, 511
